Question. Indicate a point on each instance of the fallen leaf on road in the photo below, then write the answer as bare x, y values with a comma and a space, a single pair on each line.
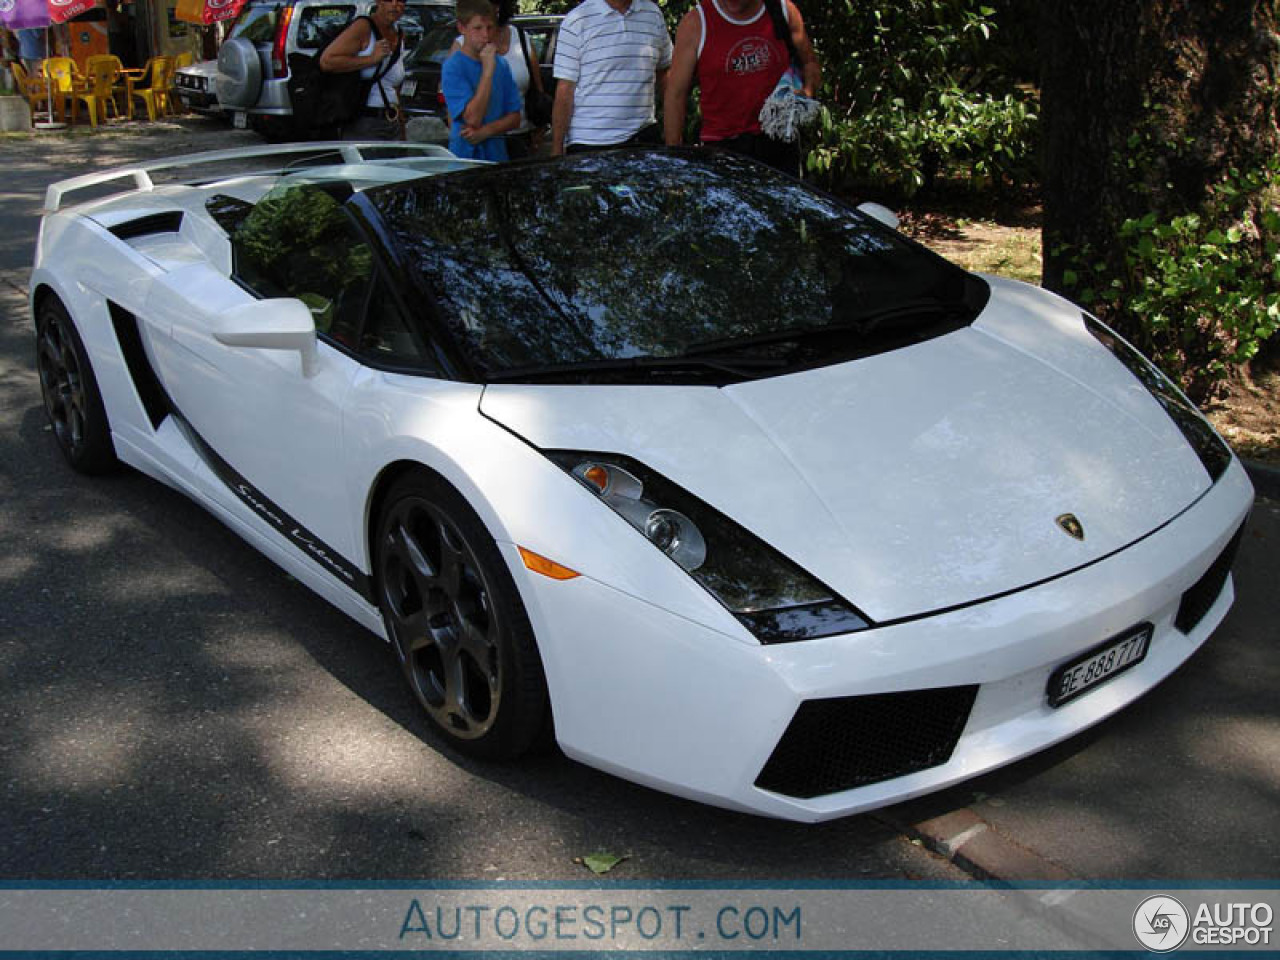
599, 863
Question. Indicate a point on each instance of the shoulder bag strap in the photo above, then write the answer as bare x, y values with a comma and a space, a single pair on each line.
528, 61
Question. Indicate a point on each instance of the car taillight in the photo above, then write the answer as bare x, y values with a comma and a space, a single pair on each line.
280, 65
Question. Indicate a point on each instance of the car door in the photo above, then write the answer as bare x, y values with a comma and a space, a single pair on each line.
268, 423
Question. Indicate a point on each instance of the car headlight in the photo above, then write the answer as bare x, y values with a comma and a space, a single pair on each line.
775, 599
1212, 450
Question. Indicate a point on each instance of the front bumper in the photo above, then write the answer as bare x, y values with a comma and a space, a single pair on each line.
200, 102
657, 699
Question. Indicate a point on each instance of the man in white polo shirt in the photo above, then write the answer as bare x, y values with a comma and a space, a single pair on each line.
611, 55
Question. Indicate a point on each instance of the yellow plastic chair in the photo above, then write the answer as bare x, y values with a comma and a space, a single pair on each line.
132, 77
68, 85
119, 91
33, 88
155, 94
184, 59
99, 90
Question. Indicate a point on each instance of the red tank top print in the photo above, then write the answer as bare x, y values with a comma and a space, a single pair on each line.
738, 67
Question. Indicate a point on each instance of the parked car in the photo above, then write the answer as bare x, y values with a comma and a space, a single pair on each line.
197, 87
420, 95
253, 63
750, 497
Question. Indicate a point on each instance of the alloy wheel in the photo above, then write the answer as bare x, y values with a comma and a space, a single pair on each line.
62, 384
447, 631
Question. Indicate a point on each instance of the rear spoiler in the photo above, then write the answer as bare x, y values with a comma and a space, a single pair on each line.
348, 151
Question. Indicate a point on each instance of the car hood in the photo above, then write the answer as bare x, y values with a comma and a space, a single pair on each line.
205, 68
911, 481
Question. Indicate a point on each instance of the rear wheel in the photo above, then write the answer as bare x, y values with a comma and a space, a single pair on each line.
71, 397
275, 129
456, 621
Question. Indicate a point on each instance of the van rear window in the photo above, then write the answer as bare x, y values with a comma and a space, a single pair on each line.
257, 22
316, 25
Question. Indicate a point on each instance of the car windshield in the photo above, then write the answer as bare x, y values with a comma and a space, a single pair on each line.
690, 265
416, 21
435, 46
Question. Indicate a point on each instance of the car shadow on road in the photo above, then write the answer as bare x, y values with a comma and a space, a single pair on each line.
180, 707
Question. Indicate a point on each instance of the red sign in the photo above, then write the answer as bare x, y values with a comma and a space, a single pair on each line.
215, 10
207, 11
60, 11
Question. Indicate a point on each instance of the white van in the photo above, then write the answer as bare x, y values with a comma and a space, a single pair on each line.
253, 63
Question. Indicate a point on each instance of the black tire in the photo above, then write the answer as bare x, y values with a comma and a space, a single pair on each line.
456, 621
274, 129
71, 396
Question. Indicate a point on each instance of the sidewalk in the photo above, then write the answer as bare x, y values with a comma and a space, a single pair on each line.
31, 161
1182, 785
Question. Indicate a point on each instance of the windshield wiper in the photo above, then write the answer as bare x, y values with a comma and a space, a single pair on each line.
737, 367
871, 324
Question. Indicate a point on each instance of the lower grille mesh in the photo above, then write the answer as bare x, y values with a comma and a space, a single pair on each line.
845, 742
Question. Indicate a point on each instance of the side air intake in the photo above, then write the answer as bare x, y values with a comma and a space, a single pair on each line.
167, 222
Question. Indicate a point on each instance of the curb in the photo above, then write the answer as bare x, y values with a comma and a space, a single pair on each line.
1265, 477
970, 843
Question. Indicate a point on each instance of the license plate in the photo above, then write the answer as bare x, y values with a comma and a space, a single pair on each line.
408, 88
239, 119
1103, 662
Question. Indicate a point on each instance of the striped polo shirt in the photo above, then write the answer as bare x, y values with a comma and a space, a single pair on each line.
612, 58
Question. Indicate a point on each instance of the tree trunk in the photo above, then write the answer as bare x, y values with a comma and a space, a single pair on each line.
1145, 103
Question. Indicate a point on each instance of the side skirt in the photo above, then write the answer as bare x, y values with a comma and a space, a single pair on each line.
159, 405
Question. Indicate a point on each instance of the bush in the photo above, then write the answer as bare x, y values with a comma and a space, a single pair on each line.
1200, 292
983, 140
915, 95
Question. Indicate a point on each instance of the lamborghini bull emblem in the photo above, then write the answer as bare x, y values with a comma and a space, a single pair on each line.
1071, 526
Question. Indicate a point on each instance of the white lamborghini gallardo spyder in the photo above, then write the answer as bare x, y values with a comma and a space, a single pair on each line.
745, 495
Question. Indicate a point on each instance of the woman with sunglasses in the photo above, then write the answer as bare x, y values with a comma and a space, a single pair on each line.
373, 45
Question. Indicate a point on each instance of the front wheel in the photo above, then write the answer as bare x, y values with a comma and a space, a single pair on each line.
70, 390
456, 621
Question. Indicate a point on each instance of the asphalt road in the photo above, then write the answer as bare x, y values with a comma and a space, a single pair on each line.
174, 706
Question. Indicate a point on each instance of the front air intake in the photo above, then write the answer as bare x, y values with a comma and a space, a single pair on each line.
1197, 600
846, 742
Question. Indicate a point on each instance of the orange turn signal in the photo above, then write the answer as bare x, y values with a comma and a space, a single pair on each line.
597, 476
548, 568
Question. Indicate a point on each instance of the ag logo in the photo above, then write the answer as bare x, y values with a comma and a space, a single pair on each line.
1160, 923
6, 5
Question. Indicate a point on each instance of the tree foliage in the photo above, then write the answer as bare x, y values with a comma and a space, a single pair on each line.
1160, 179
914, 90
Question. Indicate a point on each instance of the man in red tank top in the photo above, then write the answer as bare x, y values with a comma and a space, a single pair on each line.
736, 51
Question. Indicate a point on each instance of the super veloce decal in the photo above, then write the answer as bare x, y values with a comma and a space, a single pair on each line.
268, 510
158, 403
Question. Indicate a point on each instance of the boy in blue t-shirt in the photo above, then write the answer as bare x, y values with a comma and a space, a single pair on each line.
479, 91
